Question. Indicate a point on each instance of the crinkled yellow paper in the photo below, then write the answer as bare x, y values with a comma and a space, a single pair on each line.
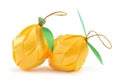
34, 44
30, 48
70, 52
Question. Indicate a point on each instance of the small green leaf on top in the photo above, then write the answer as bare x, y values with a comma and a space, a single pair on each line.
40, 19
95, 52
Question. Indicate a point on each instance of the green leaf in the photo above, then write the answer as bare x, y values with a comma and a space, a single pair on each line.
95, 52
49, 37
40, 19
83, 26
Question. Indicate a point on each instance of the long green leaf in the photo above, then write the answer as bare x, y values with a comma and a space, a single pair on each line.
49, 37
83, 26
95, 52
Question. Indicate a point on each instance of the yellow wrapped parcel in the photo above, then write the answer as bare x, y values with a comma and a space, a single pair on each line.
30, 48
70, 52
34, 44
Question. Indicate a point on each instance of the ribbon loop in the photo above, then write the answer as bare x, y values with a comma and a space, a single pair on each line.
99, 37
57, 13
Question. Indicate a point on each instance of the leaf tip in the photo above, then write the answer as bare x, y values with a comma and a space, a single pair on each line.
83, 26
95, 52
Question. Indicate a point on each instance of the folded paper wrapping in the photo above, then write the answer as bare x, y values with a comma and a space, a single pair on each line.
30, 48
70, 52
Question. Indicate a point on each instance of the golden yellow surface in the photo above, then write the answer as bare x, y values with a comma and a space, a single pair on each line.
30, 48
70, 52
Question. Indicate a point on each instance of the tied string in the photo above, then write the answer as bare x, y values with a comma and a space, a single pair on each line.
99, 37
58, 13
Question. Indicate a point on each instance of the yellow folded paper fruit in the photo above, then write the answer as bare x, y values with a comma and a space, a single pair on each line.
30, 48
34, 44
70, 52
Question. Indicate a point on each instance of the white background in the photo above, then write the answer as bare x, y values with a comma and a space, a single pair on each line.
102, 16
